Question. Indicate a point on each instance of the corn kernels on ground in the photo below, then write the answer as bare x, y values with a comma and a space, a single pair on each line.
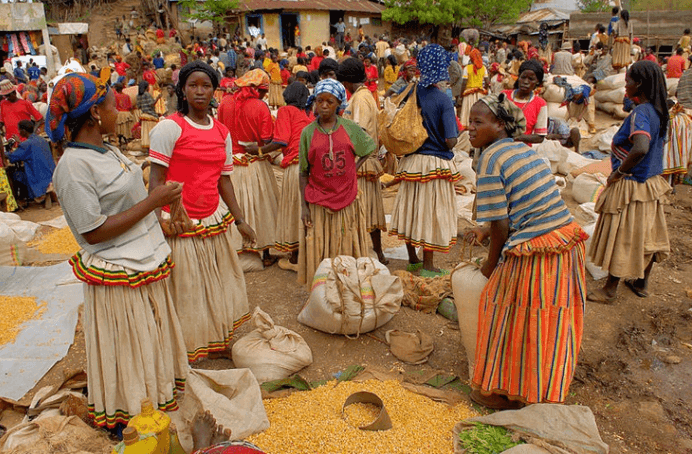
361, 414
15, 311
59, 241
311, 422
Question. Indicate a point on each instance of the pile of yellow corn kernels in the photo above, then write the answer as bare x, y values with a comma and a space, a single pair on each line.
311, 422
15, 311
59, 241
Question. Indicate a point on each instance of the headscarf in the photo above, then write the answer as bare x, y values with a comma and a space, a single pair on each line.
477, 59
185, 72
72, 97
250, 84
532, 54
504, 109
351, 70
653, 84
531, 65
409, 64
433, 62
142, 87
332, 87
296, 95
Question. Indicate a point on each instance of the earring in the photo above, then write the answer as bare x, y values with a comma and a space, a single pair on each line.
99, 122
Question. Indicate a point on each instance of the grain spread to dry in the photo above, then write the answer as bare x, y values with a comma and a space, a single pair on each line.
311, 422
59, 241
15, 311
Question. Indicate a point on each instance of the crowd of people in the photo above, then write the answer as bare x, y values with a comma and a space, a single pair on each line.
164, 284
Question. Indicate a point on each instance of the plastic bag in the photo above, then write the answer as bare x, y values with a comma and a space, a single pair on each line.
351, 296
271, 352
617, 95
611, 82
587, 187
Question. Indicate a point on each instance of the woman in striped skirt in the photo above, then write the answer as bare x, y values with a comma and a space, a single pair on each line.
531, 310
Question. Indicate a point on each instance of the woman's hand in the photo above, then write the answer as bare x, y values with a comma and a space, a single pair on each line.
249, 236
306, 217
165, 194
614, 177
251, 149
477, 234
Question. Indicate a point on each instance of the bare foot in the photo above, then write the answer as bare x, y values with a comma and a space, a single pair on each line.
383, 260
203, 428
220, 435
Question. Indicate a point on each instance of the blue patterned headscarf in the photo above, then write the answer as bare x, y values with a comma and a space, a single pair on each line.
332, 87
433, 63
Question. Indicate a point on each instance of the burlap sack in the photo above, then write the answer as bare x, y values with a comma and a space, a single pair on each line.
411, 348
401, 126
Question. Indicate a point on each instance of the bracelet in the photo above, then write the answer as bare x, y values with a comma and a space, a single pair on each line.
238, 221
622, 173
259, 152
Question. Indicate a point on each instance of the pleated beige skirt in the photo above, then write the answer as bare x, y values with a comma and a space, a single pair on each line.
148, 122
288, 224
622, 54
467, 103
369, 185
123, 124
134, 347
333, 233
258, 196
631, 228
424, 212
276, 95
208, 286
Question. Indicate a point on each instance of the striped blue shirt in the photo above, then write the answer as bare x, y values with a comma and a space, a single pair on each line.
514, 182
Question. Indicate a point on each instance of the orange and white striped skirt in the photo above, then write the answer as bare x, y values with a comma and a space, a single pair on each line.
531, 317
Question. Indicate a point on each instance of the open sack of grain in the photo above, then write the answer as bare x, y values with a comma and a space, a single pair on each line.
351, 296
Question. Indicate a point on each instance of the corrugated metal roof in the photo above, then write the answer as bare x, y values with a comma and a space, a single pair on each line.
360, 6
564, 5
544, 15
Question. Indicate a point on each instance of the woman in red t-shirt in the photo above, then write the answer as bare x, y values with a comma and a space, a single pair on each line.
371, 78
125, 120
207, 283
250, 122
291, 119
332, 149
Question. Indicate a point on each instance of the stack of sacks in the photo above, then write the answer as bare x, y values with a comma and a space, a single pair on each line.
610, 94
554, 95
672, 85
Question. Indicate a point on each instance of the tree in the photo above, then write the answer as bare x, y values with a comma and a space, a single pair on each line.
208, 10
476, 13
593, 6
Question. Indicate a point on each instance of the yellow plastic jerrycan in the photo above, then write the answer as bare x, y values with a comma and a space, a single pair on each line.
131, 443
155, 422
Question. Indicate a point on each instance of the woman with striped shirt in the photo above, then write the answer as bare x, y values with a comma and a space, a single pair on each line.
531, 310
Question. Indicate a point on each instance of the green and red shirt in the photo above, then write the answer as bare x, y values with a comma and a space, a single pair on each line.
330, 159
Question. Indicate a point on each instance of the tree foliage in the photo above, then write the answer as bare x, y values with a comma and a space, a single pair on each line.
207, 10
593, 6
478, 13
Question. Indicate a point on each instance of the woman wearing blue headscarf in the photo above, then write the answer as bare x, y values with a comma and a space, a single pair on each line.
331, 151
424, 213
134, 342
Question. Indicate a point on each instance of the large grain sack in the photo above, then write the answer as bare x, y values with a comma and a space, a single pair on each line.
553, 93
587, 187
607, 107
562, 160
611, 82
672, 85
604, 167
351, 296
617, 95
271, 352
557, 111
468, 283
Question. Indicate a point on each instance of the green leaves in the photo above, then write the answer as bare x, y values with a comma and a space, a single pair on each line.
485, 439
208, 10
444, 12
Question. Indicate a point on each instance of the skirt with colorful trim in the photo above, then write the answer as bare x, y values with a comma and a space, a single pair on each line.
531, 317
134, 343
677, 150
258, 196
426, 193
208, 285
369, 185
288, 224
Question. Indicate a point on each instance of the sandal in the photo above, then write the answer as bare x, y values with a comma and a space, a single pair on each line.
600, 296
495, 401
640, 292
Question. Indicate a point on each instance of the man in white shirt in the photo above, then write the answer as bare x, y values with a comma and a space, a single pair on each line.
340, 30
332, 53
262, 42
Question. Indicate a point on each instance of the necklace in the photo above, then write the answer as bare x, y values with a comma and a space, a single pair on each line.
526, 103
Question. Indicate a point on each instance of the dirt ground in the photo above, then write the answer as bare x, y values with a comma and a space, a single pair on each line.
634, 365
